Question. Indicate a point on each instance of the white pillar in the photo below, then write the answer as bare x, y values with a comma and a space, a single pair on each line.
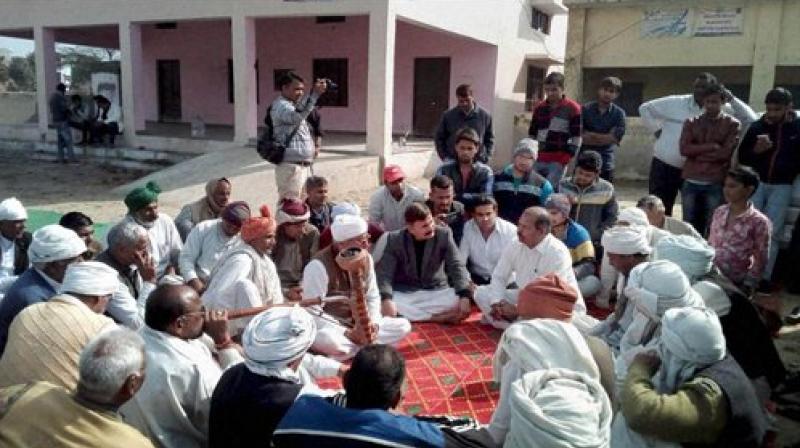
46, 74
243, 39
130, 46
380, 79
765, 54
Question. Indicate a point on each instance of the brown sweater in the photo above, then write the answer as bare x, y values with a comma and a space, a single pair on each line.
708, 145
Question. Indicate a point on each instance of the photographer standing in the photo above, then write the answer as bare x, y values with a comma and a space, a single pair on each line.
289, 111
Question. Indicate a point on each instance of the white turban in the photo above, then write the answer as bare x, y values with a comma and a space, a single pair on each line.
54, 242
91, 278
12, 210
694, 256
633, 216
652, 288
691, 339
345, 227
558, 408
626, 240
277, 337
345, 208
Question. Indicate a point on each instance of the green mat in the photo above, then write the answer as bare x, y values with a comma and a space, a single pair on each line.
40, 218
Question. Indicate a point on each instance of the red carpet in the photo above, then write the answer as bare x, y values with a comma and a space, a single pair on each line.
449, 368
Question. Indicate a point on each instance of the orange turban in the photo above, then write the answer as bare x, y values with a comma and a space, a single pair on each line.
258, 227
549, 297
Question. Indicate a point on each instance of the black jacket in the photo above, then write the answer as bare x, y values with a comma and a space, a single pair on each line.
781, 163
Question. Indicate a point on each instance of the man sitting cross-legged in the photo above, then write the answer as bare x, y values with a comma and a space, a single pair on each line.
536, 253
252, 397
373, 386
418, 266
323, 278
486, 236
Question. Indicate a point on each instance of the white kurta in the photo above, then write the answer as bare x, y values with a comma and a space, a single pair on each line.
526, 264
480, 254
331, 339
173, 405
165, 242
129, 310
7, 277
231, 287
204, 246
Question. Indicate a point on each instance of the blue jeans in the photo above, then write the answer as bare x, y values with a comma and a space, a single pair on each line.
64, 133
773, 200
553, 171
699, 202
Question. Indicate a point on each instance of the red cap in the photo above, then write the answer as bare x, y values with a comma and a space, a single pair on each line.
393, 173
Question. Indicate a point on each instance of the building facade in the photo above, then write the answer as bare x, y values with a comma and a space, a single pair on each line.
397, 62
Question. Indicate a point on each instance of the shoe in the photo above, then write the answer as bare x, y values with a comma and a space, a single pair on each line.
793, 317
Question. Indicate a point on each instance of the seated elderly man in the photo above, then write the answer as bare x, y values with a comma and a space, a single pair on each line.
296, 241
626, 247
485, 238
45, 339
577, 240
656, 215
746, 336
165, 241
207, 242
319, 207
14, 242
418, 267
210, 206
84, 227
373, 386
534, 344
251, 398
173, 405
111, 371
558, 408
128, 253
388, 204
349, 208
690, 391
652, 289
53, 249
245, 277
536, 253
324, 279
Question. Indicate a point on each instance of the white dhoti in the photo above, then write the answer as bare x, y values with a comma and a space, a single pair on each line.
422, 305
331, 340
484, 298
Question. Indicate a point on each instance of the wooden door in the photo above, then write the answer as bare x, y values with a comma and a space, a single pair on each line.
431, 93
169, 90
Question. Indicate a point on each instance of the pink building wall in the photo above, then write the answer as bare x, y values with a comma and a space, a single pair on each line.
204, 47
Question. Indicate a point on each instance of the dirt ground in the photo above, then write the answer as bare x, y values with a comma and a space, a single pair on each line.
39, 183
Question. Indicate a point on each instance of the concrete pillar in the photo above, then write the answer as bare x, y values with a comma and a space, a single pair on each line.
573, 60
130, 46
765, 54
46, 74
243, 39
380, 79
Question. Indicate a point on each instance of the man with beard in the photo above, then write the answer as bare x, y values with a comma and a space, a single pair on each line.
14, 242
447, 212
471, 178
466, 114
165, 241
218, 193
172, 407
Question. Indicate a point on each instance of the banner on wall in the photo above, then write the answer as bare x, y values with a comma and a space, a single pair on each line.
719, 22
659, 23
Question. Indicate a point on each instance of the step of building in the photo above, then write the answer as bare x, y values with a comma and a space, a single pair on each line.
141, 159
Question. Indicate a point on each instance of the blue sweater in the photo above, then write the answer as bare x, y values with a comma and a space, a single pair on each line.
29, 288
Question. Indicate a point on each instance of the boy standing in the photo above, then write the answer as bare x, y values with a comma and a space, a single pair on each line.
604, 125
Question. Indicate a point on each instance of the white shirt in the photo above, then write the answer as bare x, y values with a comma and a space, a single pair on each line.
173, 405
481, 255
315, 284
129, 310
165, 242
670, 112
231, 288
7, 276
204, 246
385, 210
